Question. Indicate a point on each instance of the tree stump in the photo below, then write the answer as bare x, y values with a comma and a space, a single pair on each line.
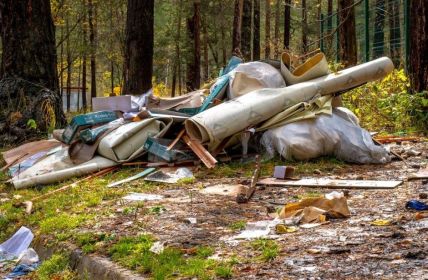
29, 111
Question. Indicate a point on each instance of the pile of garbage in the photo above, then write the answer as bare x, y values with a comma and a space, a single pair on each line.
293, 110
16, 256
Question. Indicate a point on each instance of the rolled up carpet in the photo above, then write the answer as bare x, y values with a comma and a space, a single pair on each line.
215, 124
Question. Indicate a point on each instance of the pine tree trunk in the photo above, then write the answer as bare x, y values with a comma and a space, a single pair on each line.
329, 25
194, 63
84, 59
287, 24
246, 30
347, 36
394, 31
61, 64
304, 27
68, 81
319, 9
139, 47
276, 33
237, 21
93, 46
177, 67
111, 49
205, 48
418, 66
256, 30
223, 26
29, 87
267, 29
379, 24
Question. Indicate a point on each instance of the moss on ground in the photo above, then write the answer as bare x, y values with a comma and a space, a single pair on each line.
134, 253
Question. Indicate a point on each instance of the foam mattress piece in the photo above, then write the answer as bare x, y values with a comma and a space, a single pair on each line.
226, 119
58, 167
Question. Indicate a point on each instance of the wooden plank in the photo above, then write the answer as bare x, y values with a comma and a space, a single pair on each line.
331, 183
180, 134
247, 192
200, 151
421, 174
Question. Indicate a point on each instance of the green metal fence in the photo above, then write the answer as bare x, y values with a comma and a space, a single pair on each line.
382, 29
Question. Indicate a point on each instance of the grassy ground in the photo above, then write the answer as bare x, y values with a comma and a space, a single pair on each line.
70, 216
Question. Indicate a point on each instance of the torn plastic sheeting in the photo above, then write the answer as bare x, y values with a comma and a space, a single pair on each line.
259, 229
18, 243
231, 117
139, 101
326, 135
27, 163
127, 141
170, 178
58, 167
252, 76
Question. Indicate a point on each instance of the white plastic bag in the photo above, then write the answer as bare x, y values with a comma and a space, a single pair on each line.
337, 135
251, 76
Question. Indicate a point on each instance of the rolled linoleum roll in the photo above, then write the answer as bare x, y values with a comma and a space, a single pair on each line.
226, 119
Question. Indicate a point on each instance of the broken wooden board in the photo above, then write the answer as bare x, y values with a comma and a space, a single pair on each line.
245, 195
331, 183
421, 174
200, 151
223, 189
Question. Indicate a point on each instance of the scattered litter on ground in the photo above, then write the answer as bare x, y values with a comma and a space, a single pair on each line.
416, 205
142, 197
132, 178
317, 209
157, 247
170, 178
331, 183
18, 243
15, 252
283, 172
380, 223
223, 189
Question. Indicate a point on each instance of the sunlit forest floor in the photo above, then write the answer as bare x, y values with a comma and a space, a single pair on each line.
101, 223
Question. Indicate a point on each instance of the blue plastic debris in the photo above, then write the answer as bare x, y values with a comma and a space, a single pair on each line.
416, 205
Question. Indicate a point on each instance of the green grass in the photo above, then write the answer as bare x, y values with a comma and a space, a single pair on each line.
237, 169
224, 271
269, 249
64, 215
238, 225
134, 253
56, 267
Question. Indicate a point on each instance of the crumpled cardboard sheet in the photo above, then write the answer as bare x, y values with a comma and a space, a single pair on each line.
27, 150
193, 99
310, 210
226, 119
